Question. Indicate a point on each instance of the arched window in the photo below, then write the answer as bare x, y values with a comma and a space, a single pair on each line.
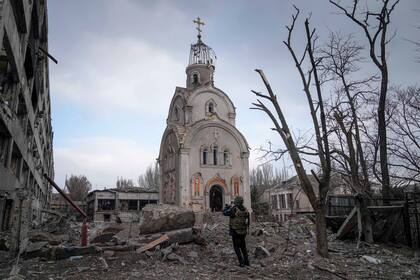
176, 114
205, 152
215, 152
226, 157
211, 107
195, 80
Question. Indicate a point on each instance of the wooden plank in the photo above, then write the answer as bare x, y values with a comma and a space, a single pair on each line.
152, 244
385, 208
348, 224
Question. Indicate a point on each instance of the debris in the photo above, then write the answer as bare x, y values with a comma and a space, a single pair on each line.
261, 252
75, 258
109, 253
372, 259
175, 257
104, 263
163, 217
153, 244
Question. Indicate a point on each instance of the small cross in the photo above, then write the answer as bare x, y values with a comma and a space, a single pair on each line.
199, 23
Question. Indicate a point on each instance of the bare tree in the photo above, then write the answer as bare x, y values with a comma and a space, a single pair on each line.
264, 177
151, 178
124, 183
316, 106
341, 59
378, 39
405, 135
78, 186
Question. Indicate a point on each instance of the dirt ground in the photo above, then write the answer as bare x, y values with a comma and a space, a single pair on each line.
291, 250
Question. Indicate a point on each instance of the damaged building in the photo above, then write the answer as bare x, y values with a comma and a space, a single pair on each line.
119, 204
25, 118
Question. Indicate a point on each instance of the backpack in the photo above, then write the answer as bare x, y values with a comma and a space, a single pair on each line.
238, 220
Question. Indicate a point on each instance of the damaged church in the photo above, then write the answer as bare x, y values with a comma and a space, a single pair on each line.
203, 156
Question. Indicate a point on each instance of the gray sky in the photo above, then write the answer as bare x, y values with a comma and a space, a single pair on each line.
120, 61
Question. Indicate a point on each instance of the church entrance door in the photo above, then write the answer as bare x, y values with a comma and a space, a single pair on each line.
216, 198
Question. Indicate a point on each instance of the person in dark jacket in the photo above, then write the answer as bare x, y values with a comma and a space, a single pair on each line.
238, 228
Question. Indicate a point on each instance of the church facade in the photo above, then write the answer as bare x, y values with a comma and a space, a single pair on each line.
203, 156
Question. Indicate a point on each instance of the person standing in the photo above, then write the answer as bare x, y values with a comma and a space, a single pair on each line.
238, 228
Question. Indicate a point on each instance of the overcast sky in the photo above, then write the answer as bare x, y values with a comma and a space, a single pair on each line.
120, 61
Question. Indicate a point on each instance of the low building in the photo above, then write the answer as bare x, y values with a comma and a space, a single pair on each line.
124, 204
288, 198
59, 204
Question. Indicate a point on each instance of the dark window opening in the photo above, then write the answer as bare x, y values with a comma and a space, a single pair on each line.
4, 143
195, 79
19, 13
226, 158
215, 151
34, 99
16, 160
211, 108
205, 156
107, 217
176, 114
6, 214
29, 67
132, 205
106, 204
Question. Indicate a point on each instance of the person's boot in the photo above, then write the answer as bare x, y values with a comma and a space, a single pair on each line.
246, 261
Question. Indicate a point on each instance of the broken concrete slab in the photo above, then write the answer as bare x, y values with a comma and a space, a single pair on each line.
164, 217
180, 236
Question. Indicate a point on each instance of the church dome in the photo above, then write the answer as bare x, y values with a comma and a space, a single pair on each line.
200, 53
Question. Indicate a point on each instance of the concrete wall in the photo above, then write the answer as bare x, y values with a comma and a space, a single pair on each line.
25, 114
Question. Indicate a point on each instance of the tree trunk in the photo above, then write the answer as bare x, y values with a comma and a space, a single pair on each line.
321, 231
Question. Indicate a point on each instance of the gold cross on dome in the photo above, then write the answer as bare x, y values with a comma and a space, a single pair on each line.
199, 23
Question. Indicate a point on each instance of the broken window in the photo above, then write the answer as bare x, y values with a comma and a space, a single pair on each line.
106, 204
6, 214
290, 200
132, 205
107, 217
16, 160
274, 201
4, 143
123, 205
282, 201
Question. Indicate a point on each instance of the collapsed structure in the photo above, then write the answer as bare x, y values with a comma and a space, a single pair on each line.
203, 156
25, 118
123, 204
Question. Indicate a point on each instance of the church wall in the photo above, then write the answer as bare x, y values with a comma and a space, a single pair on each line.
201, 99
236, 167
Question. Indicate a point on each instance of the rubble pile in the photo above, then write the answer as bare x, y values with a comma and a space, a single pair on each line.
276, 251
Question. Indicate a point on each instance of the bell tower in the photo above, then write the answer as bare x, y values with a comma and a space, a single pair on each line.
200, 69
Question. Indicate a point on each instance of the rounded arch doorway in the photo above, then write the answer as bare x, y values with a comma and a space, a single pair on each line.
216, 198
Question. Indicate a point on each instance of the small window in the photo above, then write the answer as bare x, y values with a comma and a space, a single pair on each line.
211, 107
176, 114
107, 217
205, 152
195, 79
226, 157
215, 151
